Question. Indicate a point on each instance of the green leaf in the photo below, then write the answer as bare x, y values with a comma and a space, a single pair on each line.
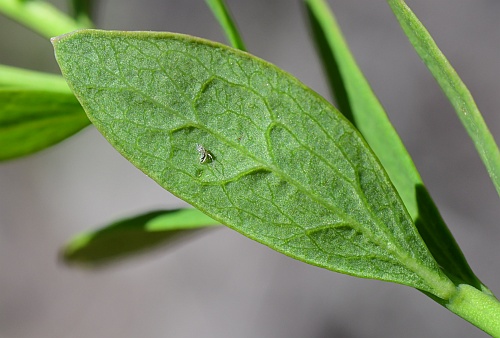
286, 168
32, 120
134, 235
13, 77
359, 104
452, 86
223, 16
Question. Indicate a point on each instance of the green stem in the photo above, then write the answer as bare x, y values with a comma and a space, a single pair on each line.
476, 307
39, 16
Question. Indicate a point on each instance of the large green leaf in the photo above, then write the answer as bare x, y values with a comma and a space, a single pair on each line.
285, 168
32, 120
130, 236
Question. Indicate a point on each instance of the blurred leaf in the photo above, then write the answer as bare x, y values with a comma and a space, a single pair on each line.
13, 77
285, 169
134, 235
359, 104
32, 120
223, 16
82, 12
452, 86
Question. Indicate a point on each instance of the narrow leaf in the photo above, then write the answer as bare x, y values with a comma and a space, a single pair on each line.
126, 238
359, 104
222, 14
13, 77
285, 168
452, 86
32, 120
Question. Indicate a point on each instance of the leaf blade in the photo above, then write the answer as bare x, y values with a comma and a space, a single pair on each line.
157, 95
128, 237
32, 120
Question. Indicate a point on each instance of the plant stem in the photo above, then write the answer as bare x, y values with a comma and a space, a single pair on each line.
40, 16
476, 307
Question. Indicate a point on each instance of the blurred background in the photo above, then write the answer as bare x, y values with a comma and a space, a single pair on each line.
221, 284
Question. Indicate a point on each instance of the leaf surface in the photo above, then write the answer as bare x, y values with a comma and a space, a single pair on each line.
286, 168
130, 236
32, 120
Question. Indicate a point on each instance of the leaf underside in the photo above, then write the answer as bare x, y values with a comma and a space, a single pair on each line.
286, 168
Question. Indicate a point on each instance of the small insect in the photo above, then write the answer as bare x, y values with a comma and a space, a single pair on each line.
204, 154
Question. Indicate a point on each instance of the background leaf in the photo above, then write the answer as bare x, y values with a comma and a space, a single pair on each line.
223, 16
14, 77
82, 11
288, 170
452, 86
32, 120
358, 103
128, 237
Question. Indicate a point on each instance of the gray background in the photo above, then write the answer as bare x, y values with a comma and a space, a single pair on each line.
222, 284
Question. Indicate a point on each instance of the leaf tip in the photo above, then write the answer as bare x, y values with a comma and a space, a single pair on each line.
54, 40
